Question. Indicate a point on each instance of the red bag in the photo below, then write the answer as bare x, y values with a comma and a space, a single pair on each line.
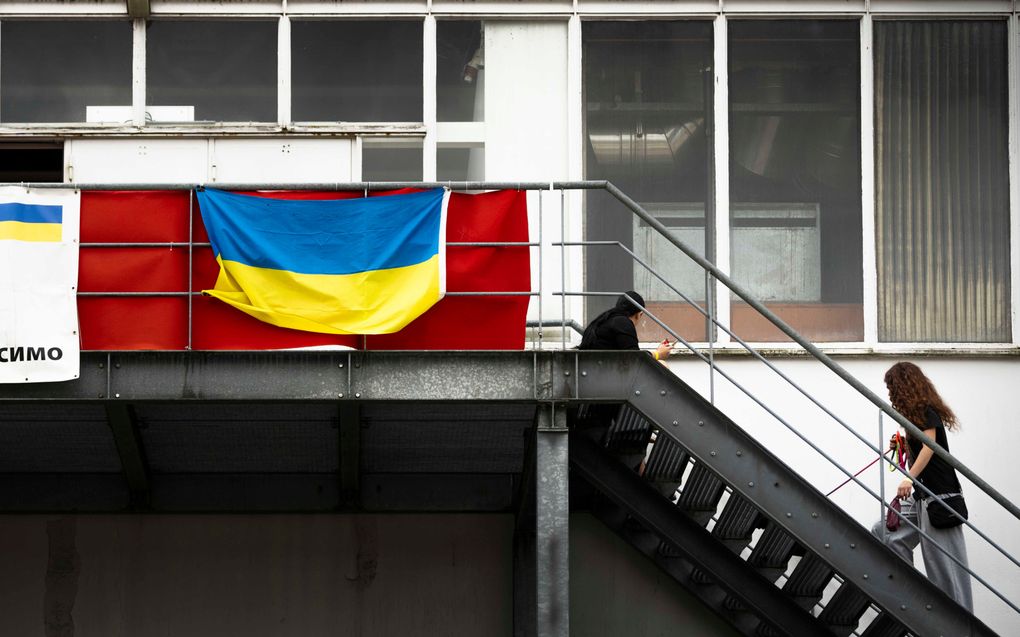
892, 518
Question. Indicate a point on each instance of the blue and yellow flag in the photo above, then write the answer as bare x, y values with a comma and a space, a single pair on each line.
30, 222
349, 266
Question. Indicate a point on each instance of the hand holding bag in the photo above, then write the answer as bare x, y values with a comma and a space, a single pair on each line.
941, 507
892, 518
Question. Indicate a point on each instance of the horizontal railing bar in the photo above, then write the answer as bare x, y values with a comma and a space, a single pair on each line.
836, 368
750, 349
328, 186
572, 324
158, 294
206, 244
144, 244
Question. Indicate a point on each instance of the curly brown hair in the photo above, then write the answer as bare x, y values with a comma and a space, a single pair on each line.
910, 392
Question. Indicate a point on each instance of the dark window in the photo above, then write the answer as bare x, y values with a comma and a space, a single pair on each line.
357, 71
54, 71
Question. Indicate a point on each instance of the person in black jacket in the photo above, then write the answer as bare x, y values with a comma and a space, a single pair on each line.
616, 328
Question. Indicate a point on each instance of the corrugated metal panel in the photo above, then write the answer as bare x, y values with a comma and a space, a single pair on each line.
247, 438
56, 438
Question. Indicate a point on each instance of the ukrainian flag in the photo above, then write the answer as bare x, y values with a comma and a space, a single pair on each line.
30, 222
349, 266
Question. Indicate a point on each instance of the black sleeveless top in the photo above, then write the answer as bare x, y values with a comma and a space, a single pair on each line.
938, 475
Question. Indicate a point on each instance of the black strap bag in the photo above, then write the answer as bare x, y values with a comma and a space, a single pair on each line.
941, 507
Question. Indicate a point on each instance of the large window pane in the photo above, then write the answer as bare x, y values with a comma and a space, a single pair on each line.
54, 71
795, 175
357, 71
942, 183
460, 71
211, 71
648, 107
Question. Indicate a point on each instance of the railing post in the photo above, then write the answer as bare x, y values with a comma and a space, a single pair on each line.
563, 268
552, 523
191, 262
881, 479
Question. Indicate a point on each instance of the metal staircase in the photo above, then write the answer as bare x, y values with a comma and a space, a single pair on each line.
706, 490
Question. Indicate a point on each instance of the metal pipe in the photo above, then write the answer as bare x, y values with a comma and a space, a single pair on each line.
328, 186
768, 363
191, 262
572, 324
814, 351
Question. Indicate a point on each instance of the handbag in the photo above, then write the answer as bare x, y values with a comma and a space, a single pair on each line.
941, 507
892, 517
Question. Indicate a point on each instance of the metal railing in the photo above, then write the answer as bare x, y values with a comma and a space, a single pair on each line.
712, 274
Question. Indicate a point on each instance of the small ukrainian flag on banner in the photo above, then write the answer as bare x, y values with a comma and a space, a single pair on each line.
30, 222
348, 266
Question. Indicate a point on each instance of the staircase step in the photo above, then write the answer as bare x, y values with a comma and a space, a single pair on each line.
737, 521
773, 550
884, 626
628, 433
808, 580
844, 610
666, 463
701, 493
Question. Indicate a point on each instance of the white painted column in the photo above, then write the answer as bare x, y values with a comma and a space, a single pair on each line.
283, 73
721, 157
138, 72
429, 146
1014, 172
869, 255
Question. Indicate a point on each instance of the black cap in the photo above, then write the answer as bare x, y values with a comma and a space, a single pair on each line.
623, 303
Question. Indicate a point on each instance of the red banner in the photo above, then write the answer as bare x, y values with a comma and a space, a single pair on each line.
161, 322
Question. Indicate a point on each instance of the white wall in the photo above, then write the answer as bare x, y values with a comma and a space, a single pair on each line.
981, 391
194, 161
526, 113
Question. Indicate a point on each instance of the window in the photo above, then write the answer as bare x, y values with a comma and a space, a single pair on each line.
211, 71
795, 177
942, 183
391, 160
61, 71
648, 107
460, 71
357, 71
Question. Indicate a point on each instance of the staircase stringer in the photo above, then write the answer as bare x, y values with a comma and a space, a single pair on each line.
753, 472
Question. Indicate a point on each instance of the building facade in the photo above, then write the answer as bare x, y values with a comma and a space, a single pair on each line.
852, 163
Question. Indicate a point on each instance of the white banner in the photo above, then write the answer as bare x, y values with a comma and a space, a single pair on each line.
38, 282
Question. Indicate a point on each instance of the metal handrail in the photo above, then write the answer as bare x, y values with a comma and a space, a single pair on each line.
788, 380
651, 221
818, 354
805, 439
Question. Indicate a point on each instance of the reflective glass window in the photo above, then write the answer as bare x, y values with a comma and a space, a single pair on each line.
204, 70
357, 71
795, 176
460, 71
648, 110
61, 71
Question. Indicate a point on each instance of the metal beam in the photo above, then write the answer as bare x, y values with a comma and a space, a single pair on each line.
791, 502
349, 426
124, 426
552, 523
657, 514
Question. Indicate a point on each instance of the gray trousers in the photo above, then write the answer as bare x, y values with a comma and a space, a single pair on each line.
942, 571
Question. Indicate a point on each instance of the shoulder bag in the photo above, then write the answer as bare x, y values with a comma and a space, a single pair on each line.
941, 507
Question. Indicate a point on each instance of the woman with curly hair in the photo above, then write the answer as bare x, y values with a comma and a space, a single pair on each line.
913, 395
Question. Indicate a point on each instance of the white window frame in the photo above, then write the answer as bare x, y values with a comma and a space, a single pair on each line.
436, 134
